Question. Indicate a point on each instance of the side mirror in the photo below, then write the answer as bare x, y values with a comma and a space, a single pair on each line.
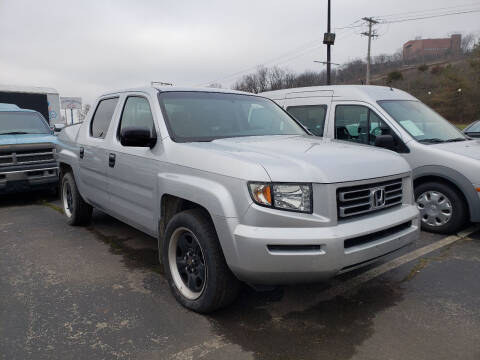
136, 136
58, 127
386, 142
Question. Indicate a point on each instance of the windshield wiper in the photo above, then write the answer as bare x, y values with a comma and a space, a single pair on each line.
455, 140
432, 140
14, 133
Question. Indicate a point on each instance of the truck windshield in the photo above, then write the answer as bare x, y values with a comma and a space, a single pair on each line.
19, 122
206, 116
421, 122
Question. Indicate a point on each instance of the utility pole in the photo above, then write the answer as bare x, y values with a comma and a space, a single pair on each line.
370, 35
329, 40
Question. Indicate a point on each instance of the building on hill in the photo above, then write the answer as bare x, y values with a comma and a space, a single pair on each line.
431, 48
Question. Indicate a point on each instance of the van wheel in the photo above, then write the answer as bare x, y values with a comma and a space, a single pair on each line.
77, 211
194, 264
442, 208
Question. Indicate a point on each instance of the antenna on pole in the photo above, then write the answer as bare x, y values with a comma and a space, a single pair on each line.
370, 35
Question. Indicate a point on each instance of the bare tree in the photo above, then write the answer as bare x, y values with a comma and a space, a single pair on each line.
82, 113
468, 41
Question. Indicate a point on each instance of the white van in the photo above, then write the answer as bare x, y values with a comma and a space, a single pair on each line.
445, 162
44, 100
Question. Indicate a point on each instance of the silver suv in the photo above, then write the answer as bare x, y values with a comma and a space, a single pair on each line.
445, 162
234, 189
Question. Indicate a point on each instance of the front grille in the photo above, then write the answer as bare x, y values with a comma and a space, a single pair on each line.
362, 199
34, 156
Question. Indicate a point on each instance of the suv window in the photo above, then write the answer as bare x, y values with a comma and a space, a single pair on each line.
359, 124
137, 113
102, 117
310, 116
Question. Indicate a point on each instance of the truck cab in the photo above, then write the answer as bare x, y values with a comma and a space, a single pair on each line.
27, 148
445, 162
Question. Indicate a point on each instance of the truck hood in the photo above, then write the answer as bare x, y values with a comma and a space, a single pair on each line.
311, 159
469, 148
27, 139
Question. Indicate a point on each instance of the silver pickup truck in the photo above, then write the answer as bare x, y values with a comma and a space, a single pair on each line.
234, 189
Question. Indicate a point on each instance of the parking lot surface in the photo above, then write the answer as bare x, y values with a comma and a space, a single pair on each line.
98, 292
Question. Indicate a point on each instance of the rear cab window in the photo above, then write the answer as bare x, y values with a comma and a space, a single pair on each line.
310, 116
102, 117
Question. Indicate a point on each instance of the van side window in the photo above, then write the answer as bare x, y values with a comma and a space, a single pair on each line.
357, 123
310, 116
136, 113
102, 117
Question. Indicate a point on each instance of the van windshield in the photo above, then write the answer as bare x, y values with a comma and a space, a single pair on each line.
421, 122
22, 122
206, 116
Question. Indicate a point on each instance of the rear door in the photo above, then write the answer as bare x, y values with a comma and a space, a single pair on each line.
133, 173
310, 108
93, 162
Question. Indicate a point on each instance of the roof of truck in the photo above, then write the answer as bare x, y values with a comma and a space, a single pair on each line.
28, 89
13, 107
342, 92
154, 89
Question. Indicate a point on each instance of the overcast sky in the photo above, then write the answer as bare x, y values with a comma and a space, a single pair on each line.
83, 48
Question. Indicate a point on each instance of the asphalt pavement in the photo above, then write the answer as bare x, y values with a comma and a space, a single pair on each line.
98, 292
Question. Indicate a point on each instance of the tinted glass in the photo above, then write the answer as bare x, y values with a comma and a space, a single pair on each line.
137, 113
102, 117
204, 116
358, 123
311, 116
474, 128
22, 123
420, 121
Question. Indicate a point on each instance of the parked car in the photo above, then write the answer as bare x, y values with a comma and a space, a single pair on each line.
234, 189
445, 163
26, 151
473, 130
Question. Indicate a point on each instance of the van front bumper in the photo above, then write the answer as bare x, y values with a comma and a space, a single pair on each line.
289, 255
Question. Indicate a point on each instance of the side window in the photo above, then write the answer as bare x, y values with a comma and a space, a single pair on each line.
137, 113
359, 124
310, 116
102, 117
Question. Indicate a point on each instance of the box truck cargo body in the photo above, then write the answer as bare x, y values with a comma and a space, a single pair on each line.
44, 100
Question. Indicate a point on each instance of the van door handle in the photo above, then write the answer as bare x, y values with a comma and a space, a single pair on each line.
111, 160
82, 152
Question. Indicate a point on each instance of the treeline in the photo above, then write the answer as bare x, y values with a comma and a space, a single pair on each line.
448, 83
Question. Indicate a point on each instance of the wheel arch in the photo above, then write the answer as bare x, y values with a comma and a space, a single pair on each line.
454, 179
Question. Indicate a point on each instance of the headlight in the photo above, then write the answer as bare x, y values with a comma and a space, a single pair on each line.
292, 197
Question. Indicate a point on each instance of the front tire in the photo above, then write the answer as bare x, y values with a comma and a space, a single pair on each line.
77, 211
442, 208
194, 264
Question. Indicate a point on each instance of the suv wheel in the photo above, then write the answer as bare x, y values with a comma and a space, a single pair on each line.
442, 208
196, 270
77, 211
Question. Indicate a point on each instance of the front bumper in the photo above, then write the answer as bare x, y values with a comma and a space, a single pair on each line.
38, 177
275, 255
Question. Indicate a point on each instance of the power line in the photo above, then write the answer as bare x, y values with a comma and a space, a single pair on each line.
427, 17
417, 12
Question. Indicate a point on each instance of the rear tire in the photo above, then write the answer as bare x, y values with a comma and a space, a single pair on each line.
77, 211
194, 263
442, 208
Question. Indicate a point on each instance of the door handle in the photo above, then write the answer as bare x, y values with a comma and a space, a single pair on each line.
82, 152
111, 160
